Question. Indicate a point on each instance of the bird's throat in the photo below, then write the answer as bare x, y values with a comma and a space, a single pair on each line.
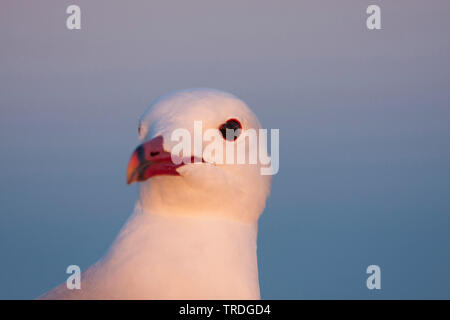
185, 257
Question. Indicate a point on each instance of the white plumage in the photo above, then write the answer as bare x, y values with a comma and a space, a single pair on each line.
191, 236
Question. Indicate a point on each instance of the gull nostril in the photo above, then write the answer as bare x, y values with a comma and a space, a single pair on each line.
153, 154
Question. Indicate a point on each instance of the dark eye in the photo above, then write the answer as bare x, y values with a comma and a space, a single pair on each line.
233, 127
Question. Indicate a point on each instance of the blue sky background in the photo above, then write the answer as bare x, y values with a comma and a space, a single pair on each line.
363, 117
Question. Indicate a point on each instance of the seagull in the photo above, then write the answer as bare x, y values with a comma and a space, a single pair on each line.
193, 231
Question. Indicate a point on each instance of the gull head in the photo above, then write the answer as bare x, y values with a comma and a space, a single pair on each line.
187, 162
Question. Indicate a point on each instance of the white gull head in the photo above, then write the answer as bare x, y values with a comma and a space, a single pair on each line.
232, 191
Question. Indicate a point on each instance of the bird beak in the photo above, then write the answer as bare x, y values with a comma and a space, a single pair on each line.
150, 159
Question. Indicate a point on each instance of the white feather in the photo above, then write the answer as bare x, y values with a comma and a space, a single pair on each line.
191, 236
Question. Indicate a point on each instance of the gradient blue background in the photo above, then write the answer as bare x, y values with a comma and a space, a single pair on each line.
363, 117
